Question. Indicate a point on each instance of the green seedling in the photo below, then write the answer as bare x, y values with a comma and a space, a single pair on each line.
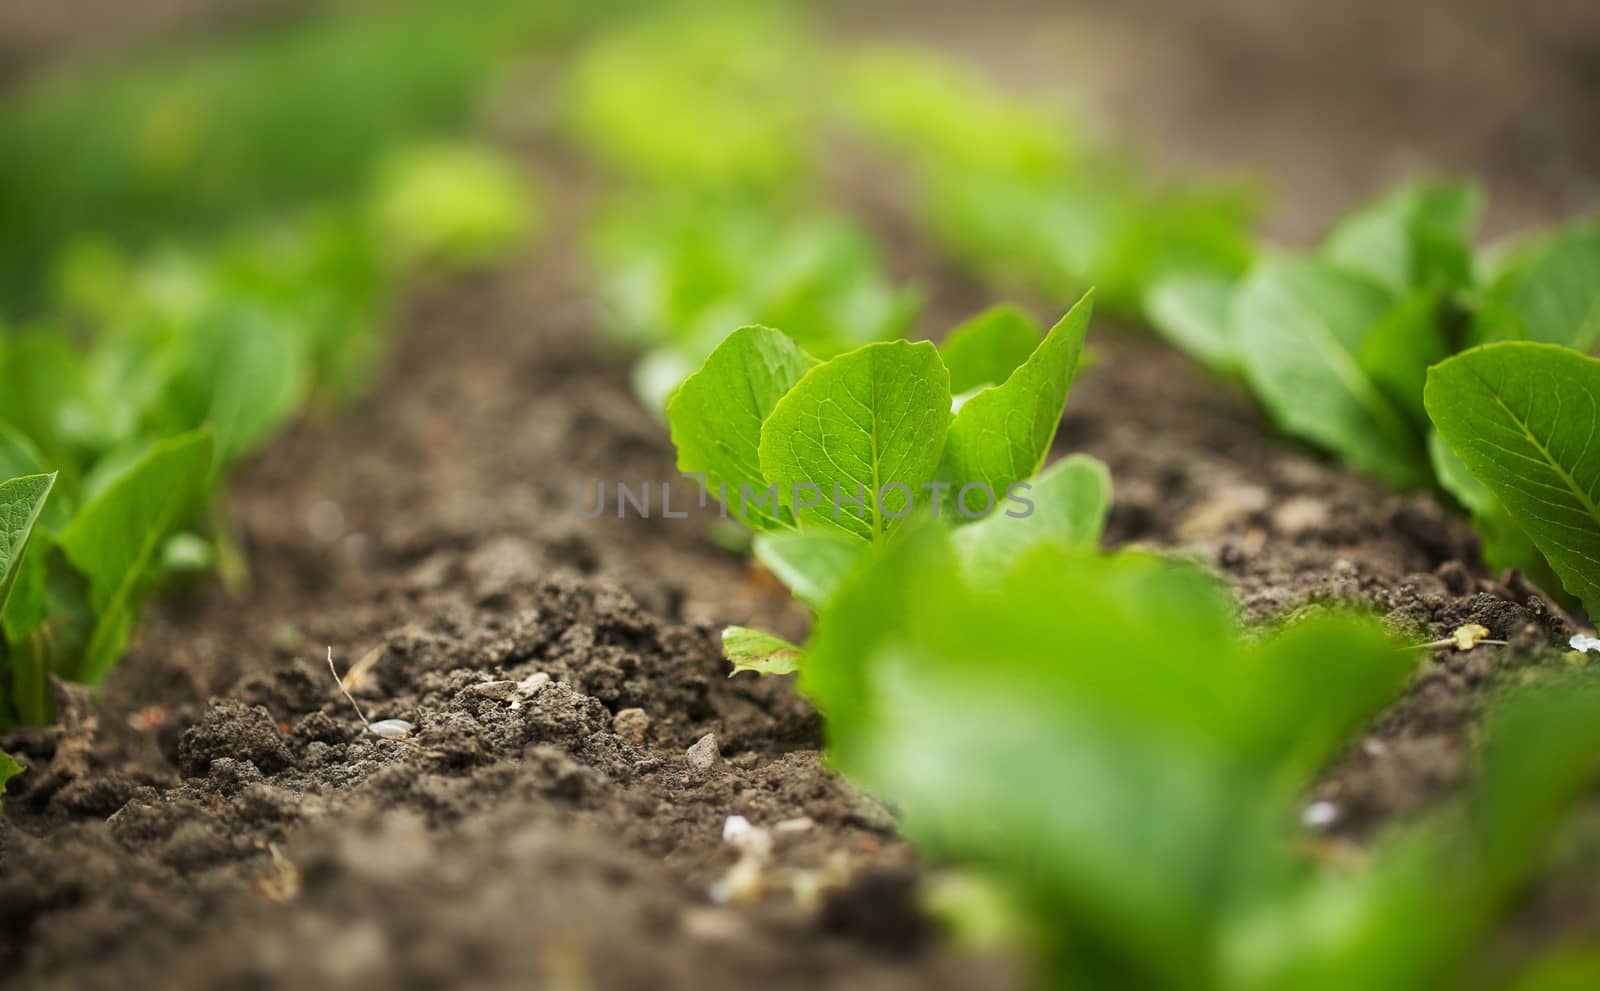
1008, 189
825, 460
1337, 343
1127, 767
1523, 418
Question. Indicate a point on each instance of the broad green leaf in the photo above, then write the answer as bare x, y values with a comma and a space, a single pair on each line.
1569, 968
988, 348
114, 539
1523, 418
1120, 677
244, 373
1551, 293
18, 457
1301, 325
811, 564
1541, 752
21, 501
872, 605
716, 416
1002, 435
45, 394
1399, 348
1504, 543
1413, 238
28, 603
760, 652
8, 770
1194, 313
867, 424
1067, 506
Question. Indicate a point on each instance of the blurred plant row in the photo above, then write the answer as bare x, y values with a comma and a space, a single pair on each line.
1093, 733
201, 246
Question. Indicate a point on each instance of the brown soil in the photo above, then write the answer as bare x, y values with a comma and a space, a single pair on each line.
222, 819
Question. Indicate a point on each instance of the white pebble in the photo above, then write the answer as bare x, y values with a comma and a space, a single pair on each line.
533, 682
735, 827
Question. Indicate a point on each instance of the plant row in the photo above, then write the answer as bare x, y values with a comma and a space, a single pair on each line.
149, 361
1093, 732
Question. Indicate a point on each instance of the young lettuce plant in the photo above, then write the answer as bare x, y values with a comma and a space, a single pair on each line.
1098, 736
712, 100
75, 578
825, 460
1523, 418
1336, 344
1009, 191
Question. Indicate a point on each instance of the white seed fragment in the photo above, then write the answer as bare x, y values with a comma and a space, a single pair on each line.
1320, 814
1585, 643
735, 827
390, 729
1468, 636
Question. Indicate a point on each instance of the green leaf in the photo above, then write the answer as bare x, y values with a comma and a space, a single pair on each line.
1068, 505
763, 653
1095, 730
1193, 312
1541, 751
18, 457
115, 538
1399, 348
1301, 325
1550, 293
1504, 544
716, 416
1413, 238
1523, 418
8, 770
21, 501
811, 564
988, 348
1002, 435
244, 373
868, 423
45, 394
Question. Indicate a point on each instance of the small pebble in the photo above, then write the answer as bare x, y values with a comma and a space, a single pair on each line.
1300, 514
632, 725
704, 755
390, 729
500, 691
